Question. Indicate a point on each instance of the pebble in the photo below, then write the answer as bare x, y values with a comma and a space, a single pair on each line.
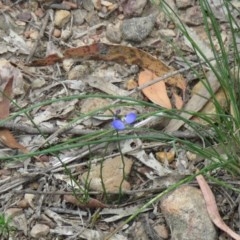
66, 34
79, 16
186, 215
88, 5
183, 3
167, 32
56, 33
193, 16
61, 18
113, 33
39, 230
78, 71
112, 175
165, 156
137, 29
134, 7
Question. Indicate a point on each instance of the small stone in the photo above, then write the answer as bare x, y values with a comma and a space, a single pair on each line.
97, 4
162, 231
39, 230
167, 32
193, 16
29, 198
34, 35
91, 104
191, 156
113, 33
137, 29
92, 18
66, 34
23, 203
79, 16
78, 72
61, 18
67, 64
112, 173
57, 33
134, 7
131, 84
186, 215
165, 156
183, 3
88, 5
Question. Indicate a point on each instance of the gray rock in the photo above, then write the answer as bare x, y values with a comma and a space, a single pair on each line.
113, 33
137, 29
79, 16
186, 215
134, 7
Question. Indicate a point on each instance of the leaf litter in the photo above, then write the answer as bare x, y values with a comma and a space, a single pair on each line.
38, 176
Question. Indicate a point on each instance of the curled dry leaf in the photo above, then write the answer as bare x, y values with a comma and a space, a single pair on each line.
157, 92
9, 140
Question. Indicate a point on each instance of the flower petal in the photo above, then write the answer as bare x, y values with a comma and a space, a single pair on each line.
118, 124
130, 118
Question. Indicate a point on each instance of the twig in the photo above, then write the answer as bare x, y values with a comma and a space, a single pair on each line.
41, 33
44, 130
131, 192
79, 35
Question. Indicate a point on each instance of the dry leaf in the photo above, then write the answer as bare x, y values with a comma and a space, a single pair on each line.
7, 71
157, 93
8, 75
91, 203
116, 53
8, 140
178, 101
212, 208
5, 102
195, 104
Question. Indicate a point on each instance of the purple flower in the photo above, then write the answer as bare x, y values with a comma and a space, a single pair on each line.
119, 124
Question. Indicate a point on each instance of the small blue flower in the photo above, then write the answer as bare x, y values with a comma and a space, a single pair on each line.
119, 124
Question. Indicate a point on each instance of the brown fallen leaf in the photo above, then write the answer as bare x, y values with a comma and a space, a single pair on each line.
117, 53
5, 103
7, 76
9, 140
91, 203
212, 208
157, 92
178, 102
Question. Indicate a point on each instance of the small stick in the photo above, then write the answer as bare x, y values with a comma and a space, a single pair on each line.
41, 33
